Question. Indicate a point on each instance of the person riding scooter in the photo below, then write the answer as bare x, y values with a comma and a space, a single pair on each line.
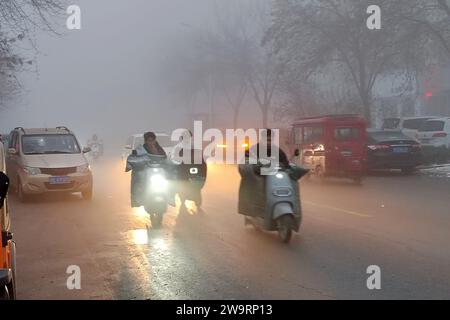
191, 172
150, 147
269, 193
150, 180
96, 146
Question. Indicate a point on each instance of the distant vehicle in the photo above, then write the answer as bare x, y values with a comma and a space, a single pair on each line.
4, 138
47, 160
7, 245
434, 135
96, 146
138, 140
409, 126
392, 150
331, 146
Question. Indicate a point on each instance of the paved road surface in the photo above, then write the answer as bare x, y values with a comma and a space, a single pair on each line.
400, 223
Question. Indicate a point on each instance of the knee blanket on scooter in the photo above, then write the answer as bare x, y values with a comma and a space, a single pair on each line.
136, 163
252, 194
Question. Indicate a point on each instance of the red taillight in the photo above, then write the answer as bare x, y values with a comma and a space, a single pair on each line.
440, 135
378, 147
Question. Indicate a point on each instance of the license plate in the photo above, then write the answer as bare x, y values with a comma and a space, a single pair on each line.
401, 149
59, 180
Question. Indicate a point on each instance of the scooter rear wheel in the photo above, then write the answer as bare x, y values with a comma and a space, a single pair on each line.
285, 226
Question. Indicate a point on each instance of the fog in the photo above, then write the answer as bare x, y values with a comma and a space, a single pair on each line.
104, 78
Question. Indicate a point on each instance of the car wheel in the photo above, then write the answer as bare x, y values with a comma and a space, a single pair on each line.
20, 194
409, 170
87, 195
358, 180
320, 174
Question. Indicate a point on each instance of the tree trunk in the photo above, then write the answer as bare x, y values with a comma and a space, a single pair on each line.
265, 116
235, 118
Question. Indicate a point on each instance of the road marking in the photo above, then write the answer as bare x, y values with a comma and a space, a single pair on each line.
353, 213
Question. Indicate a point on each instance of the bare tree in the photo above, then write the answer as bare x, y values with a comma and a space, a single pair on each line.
317, 34
18, 21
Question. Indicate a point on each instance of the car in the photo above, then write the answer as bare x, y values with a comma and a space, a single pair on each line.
7, 245
47, 160
392, 150
408, 125
434, 135
136, 140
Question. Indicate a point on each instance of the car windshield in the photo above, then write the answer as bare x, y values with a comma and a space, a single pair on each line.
391, 123
387, 136
50, 144
414, 124
432, 125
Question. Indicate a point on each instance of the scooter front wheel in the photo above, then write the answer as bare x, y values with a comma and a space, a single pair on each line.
156, 220
285, 226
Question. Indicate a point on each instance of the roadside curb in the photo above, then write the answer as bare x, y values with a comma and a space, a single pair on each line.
433, 166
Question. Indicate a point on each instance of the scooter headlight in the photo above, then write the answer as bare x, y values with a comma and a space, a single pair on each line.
158, 182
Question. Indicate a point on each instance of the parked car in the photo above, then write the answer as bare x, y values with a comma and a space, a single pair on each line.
47, 160
409, 125
434, 135
331, 146
392, 150
138, 139
7, 245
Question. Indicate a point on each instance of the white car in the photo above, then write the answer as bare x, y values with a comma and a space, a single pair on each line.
138, 139
408, 126
435, 133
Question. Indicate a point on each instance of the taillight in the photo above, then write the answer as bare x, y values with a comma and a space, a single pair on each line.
378, 147
440, 135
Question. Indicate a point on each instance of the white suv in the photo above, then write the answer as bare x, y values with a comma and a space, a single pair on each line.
409, 126
435, 133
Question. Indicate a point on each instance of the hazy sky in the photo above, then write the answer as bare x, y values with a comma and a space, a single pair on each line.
101, 78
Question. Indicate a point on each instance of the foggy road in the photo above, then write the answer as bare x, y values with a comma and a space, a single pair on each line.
399, 223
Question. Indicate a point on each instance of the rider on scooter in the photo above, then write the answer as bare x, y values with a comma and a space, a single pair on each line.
191, 171
152, 147
249, 189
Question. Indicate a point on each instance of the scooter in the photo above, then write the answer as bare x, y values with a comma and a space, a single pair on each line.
7, 246
95, 150
154, 180
191, 179
275, 199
